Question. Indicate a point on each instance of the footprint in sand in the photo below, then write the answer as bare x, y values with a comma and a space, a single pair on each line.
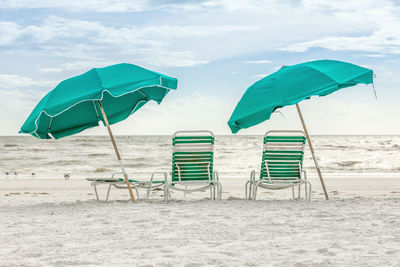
325, 252
391, 252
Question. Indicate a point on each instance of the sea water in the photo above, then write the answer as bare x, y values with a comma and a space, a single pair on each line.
93, 156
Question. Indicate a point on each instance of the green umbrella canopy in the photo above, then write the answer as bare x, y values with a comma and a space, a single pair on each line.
73, 105
292, 84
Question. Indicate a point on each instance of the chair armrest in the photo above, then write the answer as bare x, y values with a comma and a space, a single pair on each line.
115, 173
252, 176
163, 173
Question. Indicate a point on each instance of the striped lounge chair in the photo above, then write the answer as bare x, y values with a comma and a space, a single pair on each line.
282, 164
118, 182
193, 164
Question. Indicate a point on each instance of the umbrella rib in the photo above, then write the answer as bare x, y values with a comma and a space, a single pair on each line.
142, 93
51, 120
95, 108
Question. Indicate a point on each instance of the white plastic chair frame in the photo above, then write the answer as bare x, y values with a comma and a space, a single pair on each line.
252, 184
213, 179
149, 185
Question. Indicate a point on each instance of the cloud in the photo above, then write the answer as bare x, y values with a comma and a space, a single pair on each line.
9, 32
204, 31
90, 40
261, 61
16, 105
56, 40
78, 5
384, 35
323, 115
260, 76
377, 42
77, 65
17, 81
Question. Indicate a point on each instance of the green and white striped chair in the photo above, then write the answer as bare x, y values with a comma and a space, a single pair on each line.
282, 164
193, 164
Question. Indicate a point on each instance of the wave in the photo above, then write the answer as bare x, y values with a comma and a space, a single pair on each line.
233, 154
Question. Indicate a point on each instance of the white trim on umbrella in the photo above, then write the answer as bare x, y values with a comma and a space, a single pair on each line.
102, 95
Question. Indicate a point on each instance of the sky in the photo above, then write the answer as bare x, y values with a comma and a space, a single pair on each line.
216, 49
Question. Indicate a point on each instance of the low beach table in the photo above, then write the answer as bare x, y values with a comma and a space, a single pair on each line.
119, 183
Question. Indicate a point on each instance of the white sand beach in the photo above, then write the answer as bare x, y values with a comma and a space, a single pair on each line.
49, 221
53, 222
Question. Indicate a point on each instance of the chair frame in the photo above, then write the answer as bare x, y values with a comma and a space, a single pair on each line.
119, 183
252, 184
213, 179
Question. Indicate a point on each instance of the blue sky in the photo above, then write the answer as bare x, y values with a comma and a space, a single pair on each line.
216, 49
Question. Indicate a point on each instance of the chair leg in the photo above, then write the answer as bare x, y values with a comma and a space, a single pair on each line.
213, 190
245, 189
166, 193
309, 191
211, 193
305, 191
217, 191
149, 190
108, 192
250, 189
254, 197
95, 191
299, 187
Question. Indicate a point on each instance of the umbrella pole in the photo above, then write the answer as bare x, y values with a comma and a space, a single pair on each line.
312, 152
117, 152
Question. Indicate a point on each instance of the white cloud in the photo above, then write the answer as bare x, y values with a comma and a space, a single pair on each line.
78, 5
206, 31
383, 37
16, 81
192, 112
16, 105
9, 32
50, 70
259, 76
90, 40
323, 115
190, 33
261, 61
77, 65
377, 42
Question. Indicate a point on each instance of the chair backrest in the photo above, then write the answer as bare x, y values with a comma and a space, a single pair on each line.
283, 153
192, 156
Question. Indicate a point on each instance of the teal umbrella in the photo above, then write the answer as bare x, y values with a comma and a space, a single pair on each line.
109, 94
292, 84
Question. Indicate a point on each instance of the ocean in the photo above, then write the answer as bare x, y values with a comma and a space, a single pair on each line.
82, 156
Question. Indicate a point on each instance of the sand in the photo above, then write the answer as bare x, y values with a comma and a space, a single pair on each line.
54, 222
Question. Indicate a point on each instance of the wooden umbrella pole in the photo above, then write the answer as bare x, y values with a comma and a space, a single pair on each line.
117, 152
312, 152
